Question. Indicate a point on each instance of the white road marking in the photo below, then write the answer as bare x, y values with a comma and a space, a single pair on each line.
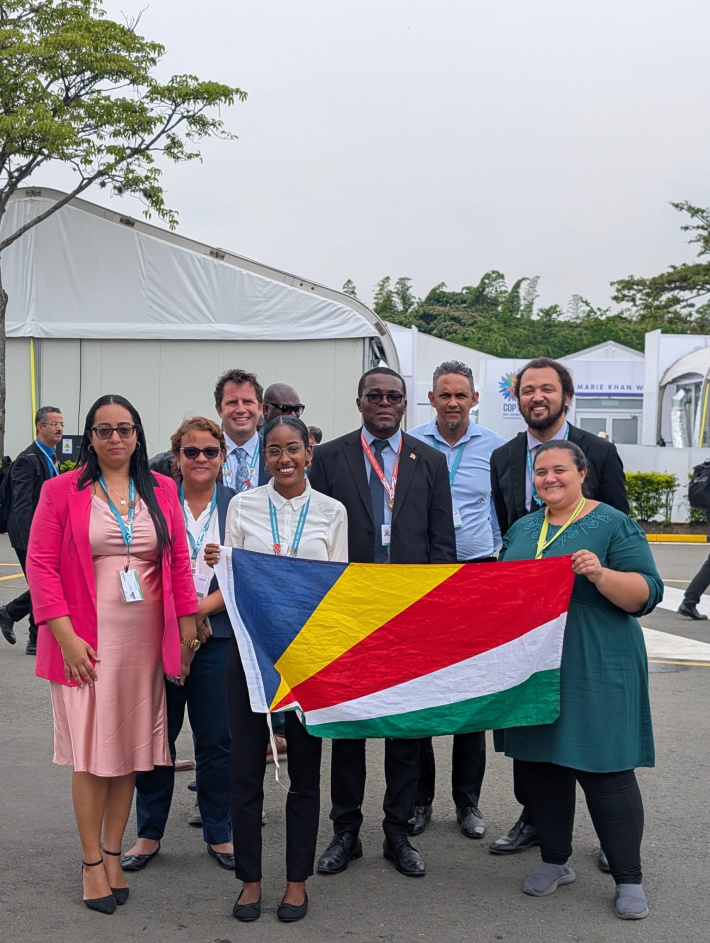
663, 645
672, 598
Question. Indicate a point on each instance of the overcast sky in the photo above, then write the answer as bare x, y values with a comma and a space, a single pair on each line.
442, 138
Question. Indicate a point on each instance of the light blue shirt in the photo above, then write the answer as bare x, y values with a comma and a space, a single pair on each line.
50, 457
479, 534
389, 457
533, 445
252, 449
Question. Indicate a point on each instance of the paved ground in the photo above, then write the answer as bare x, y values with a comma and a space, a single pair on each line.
467, 895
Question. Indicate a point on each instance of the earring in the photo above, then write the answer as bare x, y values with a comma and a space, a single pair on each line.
138, 445
91, 448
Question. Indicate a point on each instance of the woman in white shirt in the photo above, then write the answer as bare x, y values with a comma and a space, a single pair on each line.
285, 516
198, 451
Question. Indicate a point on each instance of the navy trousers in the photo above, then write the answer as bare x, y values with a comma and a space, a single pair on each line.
205, 695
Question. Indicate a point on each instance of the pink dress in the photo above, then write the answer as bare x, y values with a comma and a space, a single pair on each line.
120, 725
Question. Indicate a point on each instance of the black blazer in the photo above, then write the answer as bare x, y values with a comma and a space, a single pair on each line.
219, 622
605, 479
422, 518
28, 473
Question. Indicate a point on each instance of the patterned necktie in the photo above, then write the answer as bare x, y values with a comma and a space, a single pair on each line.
377, 496
242, 468
55, 463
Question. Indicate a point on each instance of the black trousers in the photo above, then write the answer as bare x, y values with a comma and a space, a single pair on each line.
615, 807
348, 772
698, 584
21, 606
468, 766
250, 735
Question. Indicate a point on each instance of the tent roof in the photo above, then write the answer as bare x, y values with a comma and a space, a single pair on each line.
697, 361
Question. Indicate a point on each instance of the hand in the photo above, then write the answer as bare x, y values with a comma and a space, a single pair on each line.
203, 633
211, 554
186, 656
586, 563
77, 655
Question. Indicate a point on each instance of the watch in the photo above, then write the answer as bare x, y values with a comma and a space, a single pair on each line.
193, 643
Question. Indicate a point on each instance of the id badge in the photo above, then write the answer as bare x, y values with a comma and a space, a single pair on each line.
130, 586
386, 535
457, 518
202, 584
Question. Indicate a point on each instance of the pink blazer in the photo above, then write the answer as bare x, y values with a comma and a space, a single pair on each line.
60, 571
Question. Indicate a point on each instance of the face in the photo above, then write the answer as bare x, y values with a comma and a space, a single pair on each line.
114, 452
279, 396
239, 411
382, 417
51, 429
200, 470
289, 465
557, 478
540, 398
452, 399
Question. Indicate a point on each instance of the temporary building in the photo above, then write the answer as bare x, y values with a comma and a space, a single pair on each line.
101, 302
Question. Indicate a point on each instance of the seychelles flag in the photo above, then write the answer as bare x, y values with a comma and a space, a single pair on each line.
366, 650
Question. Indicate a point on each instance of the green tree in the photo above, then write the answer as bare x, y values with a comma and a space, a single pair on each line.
349, 288
79, 88
384, 302
404, 298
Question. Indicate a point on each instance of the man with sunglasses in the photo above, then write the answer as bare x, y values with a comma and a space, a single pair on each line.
280, 399
29, 472
397, 495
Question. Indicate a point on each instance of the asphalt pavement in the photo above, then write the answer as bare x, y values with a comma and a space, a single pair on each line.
467, 895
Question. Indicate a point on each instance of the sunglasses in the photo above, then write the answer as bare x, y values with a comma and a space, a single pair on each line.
286, 408
104, 431
210, 453
394, 398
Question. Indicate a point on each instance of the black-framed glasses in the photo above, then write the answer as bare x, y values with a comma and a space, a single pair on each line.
273, 452
394, 398
210, 453
105, 431
287, 408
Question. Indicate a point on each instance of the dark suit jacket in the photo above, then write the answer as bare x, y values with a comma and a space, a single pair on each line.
605, 479
219, 622
422, 518
28, 473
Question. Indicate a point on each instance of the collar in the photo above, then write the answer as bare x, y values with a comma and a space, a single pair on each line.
432, 428
393, 440
279, 501
533, 442
47, 449
249, 447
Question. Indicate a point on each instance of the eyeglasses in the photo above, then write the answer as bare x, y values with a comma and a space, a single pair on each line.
54, 425
210, 453
394, 398
286, 408
273, 452
104, 431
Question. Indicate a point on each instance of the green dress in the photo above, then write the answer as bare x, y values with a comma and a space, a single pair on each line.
605, 715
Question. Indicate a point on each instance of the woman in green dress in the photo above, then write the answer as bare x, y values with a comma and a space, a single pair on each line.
604, 729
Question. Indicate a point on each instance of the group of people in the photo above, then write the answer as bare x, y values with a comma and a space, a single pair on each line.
114, 534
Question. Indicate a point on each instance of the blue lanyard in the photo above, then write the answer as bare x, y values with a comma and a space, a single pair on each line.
126, 528
201, 539
531, 476
457, 461
293, 550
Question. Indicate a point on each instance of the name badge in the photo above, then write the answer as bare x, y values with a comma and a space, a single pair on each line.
457, 518
202, 584
130, 586
386, 535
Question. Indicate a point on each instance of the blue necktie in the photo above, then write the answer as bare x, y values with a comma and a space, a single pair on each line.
242, 468
377, 496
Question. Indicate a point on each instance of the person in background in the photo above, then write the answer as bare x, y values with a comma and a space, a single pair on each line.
239, 398
280, 399
37, 464
467, 448
315, 436
198, 451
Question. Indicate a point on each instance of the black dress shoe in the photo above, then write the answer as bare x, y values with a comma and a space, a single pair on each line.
407, 860
7, 626
224, 860
471, 822
521, 836
137, 862
247, 913
289, 913
31, 648
420, 819
689, 611
603, 862
344, 848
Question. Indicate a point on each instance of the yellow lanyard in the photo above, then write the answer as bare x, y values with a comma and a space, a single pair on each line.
541, 543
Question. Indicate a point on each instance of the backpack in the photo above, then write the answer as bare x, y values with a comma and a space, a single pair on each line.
5, 492
699, 487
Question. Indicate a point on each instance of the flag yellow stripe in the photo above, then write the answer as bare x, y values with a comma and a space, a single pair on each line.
351, 611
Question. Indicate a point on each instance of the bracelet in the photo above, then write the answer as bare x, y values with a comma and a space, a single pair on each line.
193, 643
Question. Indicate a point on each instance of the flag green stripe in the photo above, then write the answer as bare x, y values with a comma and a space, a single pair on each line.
535, 701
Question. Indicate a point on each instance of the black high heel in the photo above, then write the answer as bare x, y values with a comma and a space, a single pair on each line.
120, 893
104, 905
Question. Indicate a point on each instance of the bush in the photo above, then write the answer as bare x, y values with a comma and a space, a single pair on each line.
651, 493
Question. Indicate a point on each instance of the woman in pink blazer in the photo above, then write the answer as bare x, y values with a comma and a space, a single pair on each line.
109, 572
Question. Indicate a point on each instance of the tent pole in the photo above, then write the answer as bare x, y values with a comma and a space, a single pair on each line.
33, 385
701, 437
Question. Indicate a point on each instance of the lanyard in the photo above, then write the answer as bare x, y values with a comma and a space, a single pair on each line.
126, 528
457, 461
293, 550
389, 488
531, 476
542, 544
196, 545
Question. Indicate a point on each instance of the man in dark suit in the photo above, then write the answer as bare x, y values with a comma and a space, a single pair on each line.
29, 472
397, 495
544, 390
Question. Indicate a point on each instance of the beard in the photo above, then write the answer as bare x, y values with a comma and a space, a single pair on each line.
453, 426
544, 422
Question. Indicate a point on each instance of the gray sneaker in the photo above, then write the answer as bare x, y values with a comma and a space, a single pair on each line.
193, 816
630, 902
546, 878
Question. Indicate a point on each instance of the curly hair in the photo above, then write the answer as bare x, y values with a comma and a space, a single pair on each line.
193, 424
238, 377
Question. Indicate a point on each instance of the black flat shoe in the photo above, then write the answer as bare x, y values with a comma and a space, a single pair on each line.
7, 626
289, 913
103, 905
691, 612
137, 862
223, 860
247, 913
521, 836
120, 893
344, 848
